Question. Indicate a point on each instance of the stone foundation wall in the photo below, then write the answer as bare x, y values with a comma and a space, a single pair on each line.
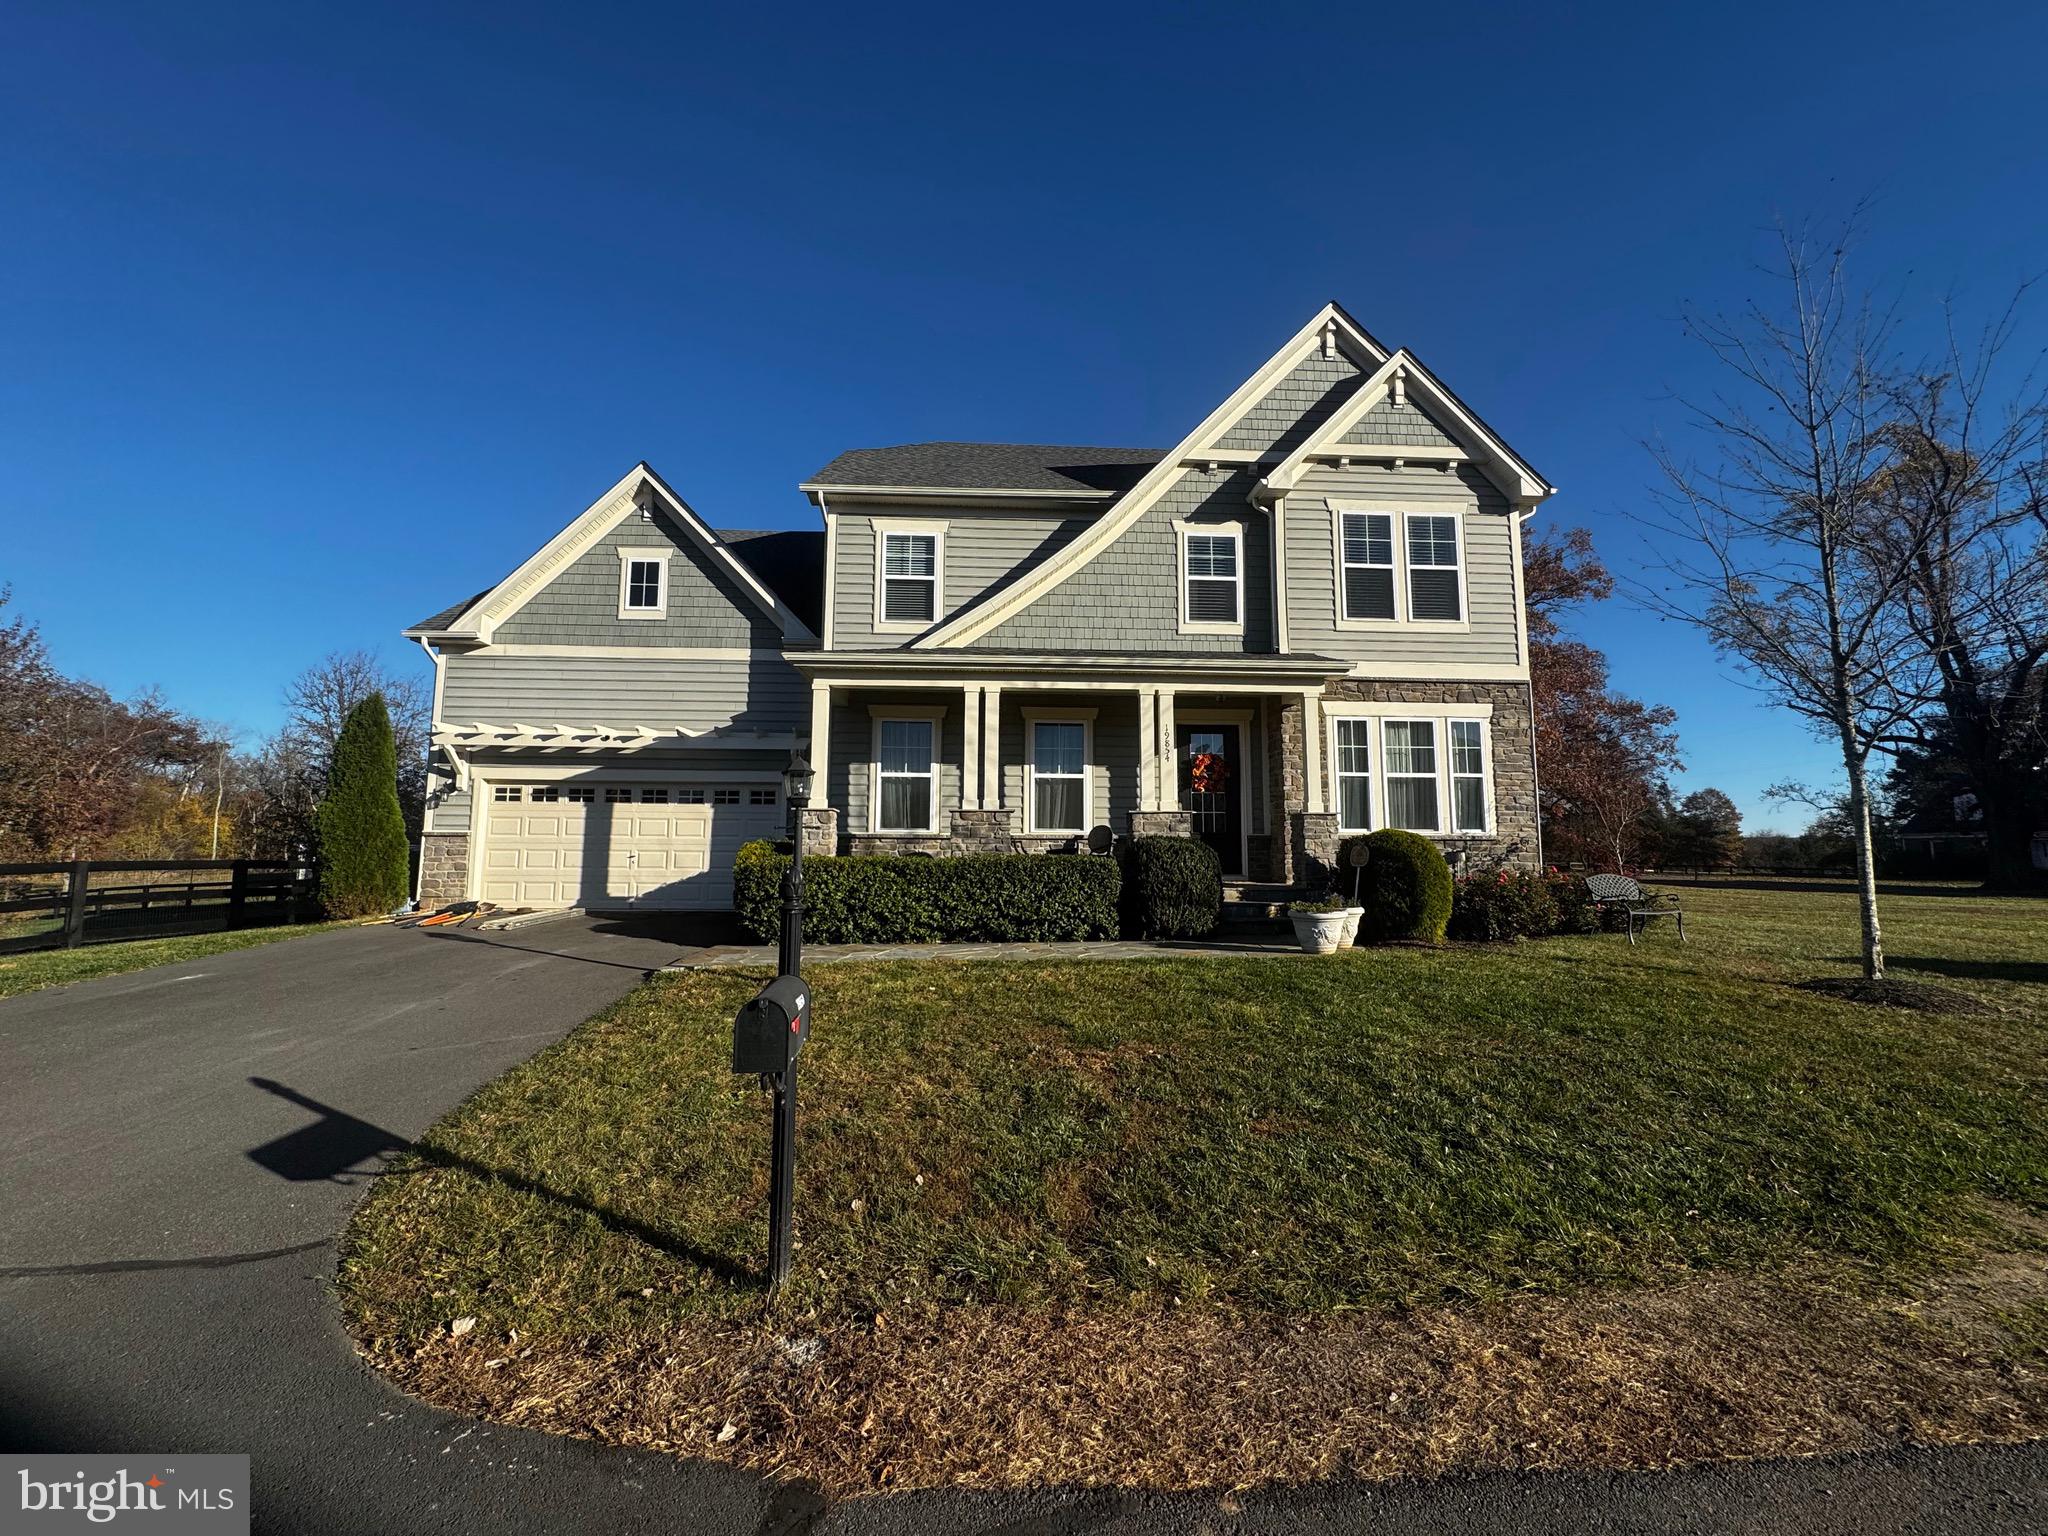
1162, 823
1516, 838
820, 825
444, 868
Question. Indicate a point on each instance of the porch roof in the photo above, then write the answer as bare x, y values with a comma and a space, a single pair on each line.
1048, 668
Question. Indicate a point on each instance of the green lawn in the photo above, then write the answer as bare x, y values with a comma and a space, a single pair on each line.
1388, 1127
53, 967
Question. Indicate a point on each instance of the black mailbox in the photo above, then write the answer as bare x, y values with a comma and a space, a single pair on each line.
768, 1032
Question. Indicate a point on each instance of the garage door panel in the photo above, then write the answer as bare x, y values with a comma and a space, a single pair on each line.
646, 851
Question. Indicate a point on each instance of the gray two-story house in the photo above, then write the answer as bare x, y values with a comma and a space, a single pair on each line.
1305, 619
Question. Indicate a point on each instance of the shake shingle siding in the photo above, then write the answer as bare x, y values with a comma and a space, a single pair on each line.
1489, 557
580, 606
1407, 426
1296, 406
983, 551
1128, 597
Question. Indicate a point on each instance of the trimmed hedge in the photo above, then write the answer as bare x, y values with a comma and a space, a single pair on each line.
907, 899
1405, 887
1173, 888
1511, 904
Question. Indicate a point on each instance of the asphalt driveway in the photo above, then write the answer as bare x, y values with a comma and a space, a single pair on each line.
179, 1148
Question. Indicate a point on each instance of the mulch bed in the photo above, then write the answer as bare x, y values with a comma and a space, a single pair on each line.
1889, 992
1712, 1368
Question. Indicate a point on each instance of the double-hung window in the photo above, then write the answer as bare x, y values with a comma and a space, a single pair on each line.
1212, 577
906, 776
1059, 776
1411, 769
910, 579
1468, 775
1367, 545
1434, 578
1354, 773
643, 583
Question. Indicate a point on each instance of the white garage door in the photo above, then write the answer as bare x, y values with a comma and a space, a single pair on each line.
641, 845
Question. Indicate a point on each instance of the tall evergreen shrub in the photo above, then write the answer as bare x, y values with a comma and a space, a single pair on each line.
363, 855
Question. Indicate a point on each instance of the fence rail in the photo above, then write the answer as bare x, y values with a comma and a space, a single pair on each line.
39, 912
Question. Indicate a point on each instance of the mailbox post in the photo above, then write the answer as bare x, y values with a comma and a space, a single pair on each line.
769, 1033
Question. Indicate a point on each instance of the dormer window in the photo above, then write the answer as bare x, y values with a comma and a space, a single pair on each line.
643, 583
1212, 577
909, 564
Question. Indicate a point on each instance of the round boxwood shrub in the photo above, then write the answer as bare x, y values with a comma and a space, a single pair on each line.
1405, 887
1173, 888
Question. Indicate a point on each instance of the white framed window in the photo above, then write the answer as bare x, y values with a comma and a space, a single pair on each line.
548, 793
1469, 800
761, 797
909, 575
616, 795
654, 797
686, 796
1409, 748
1398, 566
1351, 757
504, 792
906, 783
1212, 577
1058, 768
1365, 558
1436, 575
643, 583
580, 794
725, 797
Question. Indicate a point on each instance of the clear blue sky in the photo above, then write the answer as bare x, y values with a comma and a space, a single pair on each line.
312, 322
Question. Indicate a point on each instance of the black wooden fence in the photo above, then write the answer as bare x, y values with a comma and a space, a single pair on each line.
89, 901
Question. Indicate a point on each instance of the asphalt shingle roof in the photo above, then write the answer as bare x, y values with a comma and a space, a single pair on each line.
993, 467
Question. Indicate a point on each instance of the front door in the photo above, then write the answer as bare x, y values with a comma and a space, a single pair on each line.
1211, 759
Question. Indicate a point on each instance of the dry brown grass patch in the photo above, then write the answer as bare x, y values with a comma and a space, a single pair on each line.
1712, 1368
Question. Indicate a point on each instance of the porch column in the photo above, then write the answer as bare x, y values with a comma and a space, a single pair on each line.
821, 735
1169, 763
1312, 749
1148, 749
970, 748
991, 744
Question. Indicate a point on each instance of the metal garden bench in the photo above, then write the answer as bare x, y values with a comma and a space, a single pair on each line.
1636, 904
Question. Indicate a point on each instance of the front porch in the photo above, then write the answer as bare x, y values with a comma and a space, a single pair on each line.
1032, 754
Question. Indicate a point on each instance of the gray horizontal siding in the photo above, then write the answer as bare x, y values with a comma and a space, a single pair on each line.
983, 552
580, 606
848, 770
1128, 597
1489, 558
1293, 409
761, 693
1406, 426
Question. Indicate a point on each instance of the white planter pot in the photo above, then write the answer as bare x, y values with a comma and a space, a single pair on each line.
1318, 932
1352, 917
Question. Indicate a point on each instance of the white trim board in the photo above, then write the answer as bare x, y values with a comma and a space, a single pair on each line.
972, 622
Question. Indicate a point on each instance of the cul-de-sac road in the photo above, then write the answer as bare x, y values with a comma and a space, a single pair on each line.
180, 1147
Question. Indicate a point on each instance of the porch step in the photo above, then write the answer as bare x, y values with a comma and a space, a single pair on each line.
1256, 906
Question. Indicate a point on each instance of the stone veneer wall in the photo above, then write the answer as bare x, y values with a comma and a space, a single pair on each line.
444, 868
1517, 839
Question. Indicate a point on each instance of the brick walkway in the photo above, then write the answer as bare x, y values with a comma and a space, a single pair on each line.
1262, 946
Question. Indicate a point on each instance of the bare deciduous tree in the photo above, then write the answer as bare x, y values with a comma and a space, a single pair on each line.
319, 700
1964, 504
1780, 568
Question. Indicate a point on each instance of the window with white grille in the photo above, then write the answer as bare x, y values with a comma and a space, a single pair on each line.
1410, 748
1435, 580
1367, 552
760, 797
910, 578
654, 797
1214, 578
906, 776
581, 794
1468, 775
502, 792
1353, 762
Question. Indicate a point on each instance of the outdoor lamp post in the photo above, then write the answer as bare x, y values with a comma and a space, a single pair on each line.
796, 792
